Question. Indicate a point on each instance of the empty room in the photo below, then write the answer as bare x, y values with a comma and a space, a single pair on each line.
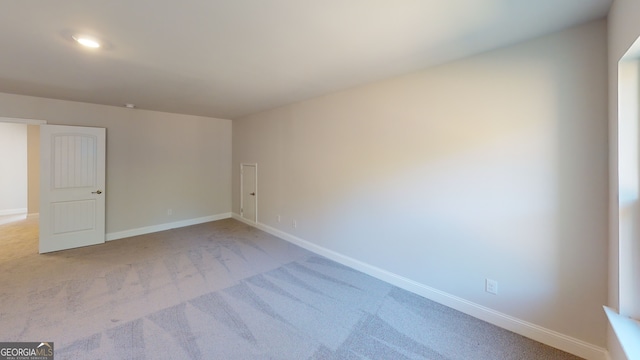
320, 180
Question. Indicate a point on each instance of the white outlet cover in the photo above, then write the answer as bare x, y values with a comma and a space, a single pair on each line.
491, 286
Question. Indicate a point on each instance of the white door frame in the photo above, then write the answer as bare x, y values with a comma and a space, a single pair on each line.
255, 166
22, 121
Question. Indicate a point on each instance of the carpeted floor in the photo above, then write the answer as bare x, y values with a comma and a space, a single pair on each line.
224, 290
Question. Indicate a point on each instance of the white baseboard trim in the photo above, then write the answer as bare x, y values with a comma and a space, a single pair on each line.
518, 326
13, 211
166, 226
33, 215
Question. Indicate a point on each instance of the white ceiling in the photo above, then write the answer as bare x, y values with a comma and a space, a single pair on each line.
228, 58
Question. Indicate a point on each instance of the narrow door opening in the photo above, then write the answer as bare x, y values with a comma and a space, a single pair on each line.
249, 192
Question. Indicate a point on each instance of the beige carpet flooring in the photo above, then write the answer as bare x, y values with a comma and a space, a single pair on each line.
224, 290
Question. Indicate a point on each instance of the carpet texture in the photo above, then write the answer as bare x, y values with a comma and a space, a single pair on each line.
224, 290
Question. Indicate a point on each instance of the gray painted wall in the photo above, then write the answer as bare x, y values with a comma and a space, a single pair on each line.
155, 161
490, 167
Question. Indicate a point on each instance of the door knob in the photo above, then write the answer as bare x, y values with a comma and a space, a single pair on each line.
252, 194
97, 192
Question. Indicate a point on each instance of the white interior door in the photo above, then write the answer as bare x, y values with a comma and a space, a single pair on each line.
72, 185
249, 191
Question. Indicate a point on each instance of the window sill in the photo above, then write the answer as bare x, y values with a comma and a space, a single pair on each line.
627, 331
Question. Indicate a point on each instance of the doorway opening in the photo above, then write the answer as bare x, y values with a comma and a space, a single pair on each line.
13, 172
20, 181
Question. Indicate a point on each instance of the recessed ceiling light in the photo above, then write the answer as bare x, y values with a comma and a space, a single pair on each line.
129, 106
86, 41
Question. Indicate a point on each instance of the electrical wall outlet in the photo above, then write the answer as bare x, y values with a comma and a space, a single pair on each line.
279, 218
169, 212
491, 286
294, 224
